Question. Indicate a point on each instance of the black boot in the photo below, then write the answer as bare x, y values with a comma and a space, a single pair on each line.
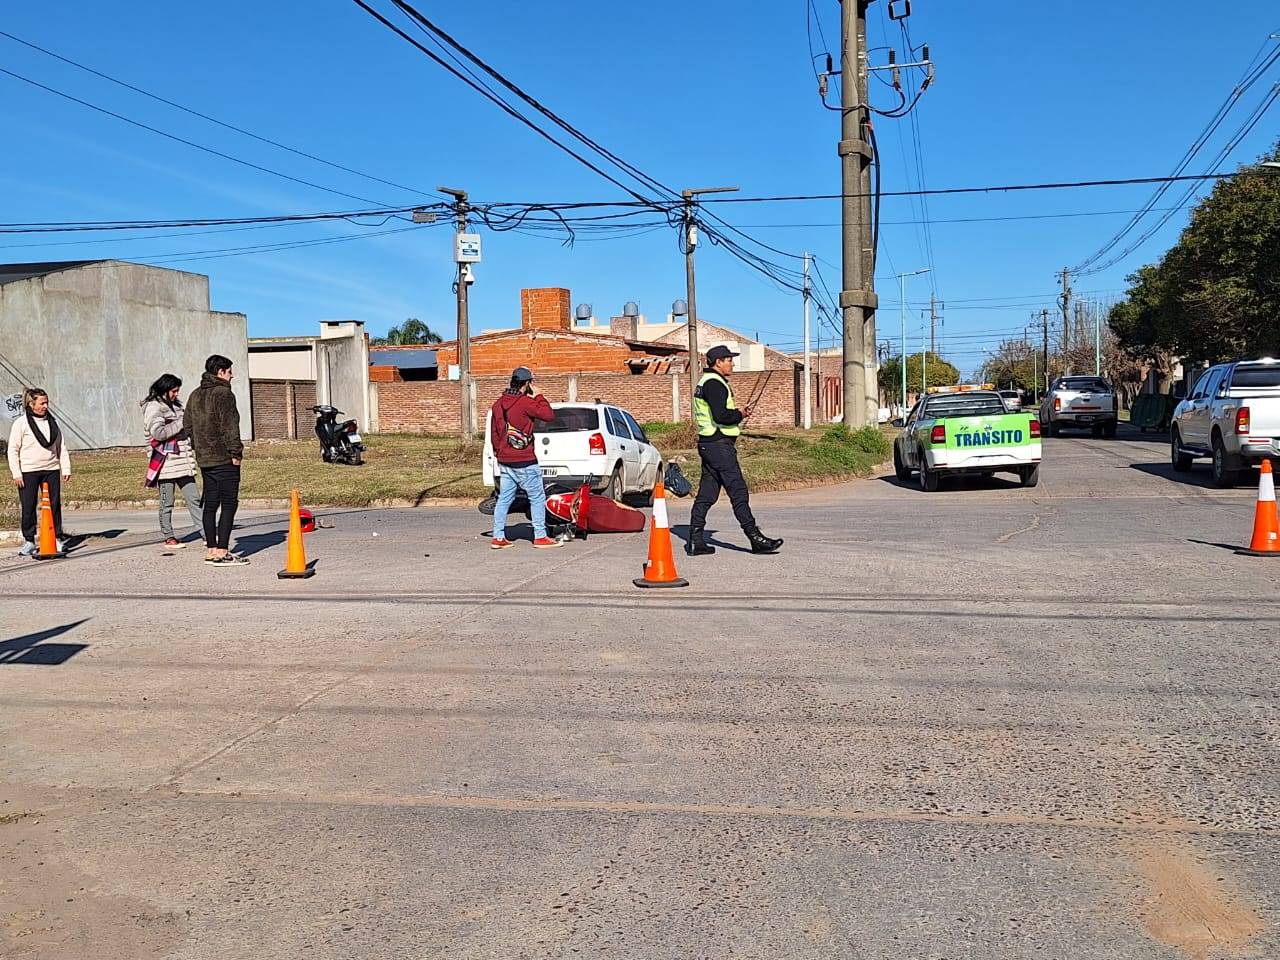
697, 545
762, 544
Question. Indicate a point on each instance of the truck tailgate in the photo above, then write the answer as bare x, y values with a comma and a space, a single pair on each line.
1076, 401
1264, 413
974, 440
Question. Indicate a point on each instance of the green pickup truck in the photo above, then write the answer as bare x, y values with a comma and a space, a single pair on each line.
966, 432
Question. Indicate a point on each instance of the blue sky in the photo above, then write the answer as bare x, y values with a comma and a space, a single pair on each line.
694, 94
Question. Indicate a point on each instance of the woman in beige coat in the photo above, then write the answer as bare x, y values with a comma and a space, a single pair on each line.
38, 456
173, 465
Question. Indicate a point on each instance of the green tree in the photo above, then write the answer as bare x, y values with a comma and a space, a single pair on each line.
1013, 362
412, 331
1216, 293
939, 371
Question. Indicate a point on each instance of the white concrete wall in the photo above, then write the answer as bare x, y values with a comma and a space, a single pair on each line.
97, 336
342, 376
283, 362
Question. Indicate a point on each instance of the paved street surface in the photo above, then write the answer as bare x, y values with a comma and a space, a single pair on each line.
984, 723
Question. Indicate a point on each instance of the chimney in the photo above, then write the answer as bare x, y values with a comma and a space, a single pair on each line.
627, 325
624, 327
545, 308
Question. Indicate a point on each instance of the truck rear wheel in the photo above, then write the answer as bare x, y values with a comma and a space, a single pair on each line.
1110, 430
1225, 473
1181, 461
929, 479
1029, 475
900, 469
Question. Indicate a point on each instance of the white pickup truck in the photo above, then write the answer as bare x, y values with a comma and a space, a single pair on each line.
1080, 402
1232, 415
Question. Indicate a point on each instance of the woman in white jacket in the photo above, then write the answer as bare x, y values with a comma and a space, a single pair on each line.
173, 464
38, 455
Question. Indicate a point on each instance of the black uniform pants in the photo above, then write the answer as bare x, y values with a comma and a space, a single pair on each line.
221, 498
29, 497
720, 469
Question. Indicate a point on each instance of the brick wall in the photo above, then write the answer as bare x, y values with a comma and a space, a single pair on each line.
546, 308
270, 417
384, 373
433, 407
499, 354
274, 401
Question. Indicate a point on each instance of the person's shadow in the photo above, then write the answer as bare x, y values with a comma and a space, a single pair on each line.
257, 542
31, 650
681, 531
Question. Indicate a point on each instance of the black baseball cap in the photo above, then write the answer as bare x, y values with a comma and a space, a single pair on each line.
522, 374
720, 352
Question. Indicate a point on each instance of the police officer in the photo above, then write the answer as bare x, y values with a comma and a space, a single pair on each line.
719, 420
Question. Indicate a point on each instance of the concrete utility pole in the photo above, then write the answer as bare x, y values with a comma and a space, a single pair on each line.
808, 396
464, 332
933, 323
690, 244
902, 317
1097, 339
858, 299
1065, 300
1044, 319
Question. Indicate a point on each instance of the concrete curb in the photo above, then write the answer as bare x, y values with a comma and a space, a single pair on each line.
273, 504
880, 470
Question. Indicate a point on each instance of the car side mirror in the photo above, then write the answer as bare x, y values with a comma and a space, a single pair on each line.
896, 422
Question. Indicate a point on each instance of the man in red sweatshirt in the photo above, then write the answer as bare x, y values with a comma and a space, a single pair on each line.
513, 421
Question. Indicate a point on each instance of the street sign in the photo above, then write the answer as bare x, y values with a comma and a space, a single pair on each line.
466, 247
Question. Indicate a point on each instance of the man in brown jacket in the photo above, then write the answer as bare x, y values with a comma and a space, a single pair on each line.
213, 421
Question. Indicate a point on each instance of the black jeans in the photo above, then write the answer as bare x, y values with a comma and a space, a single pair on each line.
29, 497
720, 469
221, 493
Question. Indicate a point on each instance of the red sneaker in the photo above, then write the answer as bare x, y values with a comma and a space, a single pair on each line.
546, 543
499, 543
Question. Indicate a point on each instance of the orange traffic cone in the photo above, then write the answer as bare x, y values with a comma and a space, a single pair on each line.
47, 539
660, 570
1266, 523
295, 567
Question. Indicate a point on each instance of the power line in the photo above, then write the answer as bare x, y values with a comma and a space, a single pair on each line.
177, 139
78, 226
991, 188
783, 276
222, 123
498, 101
1250, 123
1248, 79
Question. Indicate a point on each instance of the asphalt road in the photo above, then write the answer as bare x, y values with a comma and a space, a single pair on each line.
984, 723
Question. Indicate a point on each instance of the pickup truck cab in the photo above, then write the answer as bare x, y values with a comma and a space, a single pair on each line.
1232, 416
1080, 402
966, 432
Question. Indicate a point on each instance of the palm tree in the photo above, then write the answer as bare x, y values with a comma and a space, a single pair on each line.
412, 331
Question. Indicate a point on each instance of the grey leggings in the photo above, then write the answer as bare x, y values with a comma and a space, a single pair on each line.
190, 493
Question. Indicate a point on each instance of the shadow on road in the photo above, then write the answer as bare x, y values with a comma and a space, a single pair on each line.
681, 532
1199, 477
964, 482
1233, 547
31, 650
77, 539
257, 542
